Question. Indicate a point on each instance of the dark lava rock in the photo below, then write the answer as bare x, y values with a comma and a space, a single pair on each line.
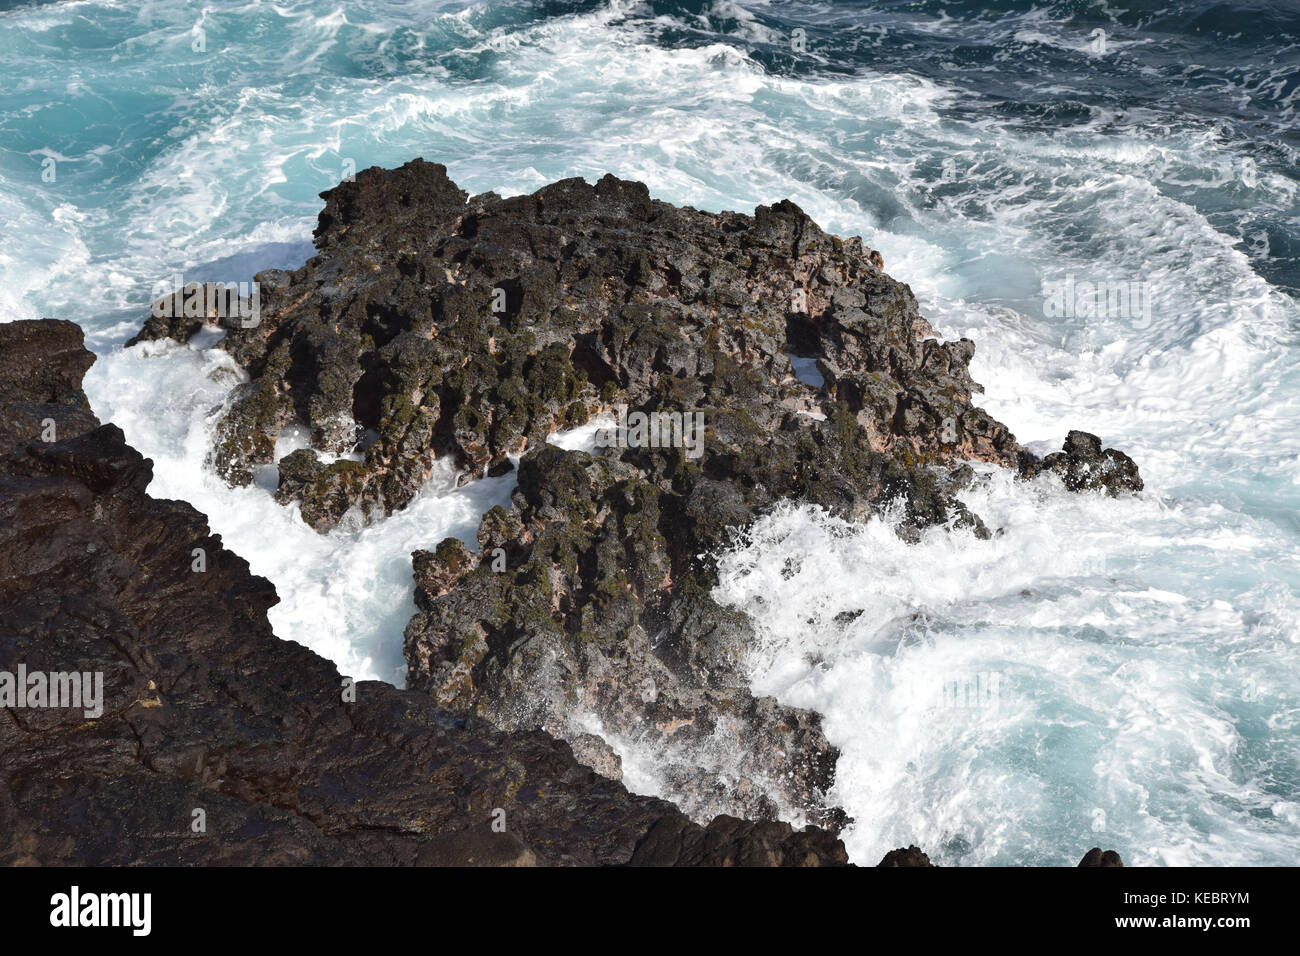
580, 619
479, 847
440, 324
217, 741
1084, 466
911, 856
435, 325
1096, 857
728, 841
41, 366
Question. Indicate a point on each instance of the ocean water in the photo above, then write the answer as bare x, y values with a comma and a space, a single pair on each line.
1117, 673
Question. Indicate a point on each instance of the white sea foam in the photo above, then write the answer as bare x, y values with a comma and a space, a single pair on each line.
1117, 645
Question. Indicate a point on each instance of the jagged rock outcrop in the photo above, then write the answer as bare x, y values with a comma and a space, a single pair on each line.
1097, 857
436, 325
41, 367
216, 742
573, 617
905, 856
915, 856
1083, 466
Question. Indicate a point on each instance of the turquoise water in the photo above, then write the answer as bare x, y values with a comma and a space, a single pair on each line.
1142, 654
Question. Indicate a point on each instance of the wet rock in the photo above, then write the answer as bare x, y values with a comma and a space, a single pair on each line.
1084, 466
433, 325
1097, 857
703, 794
183, 314
216, 742
909, 856
298, 471
41, 366
591, 750
728, 841
474, 327
581, 599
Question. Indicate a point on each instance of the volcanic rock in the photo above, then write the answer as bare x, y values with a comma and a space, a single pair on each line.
1096, 857
1083, 466
434, 325
909, 856
219, 743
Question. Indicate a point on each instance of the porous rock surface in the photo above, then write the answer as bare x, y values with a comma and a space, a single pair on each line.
219, 743
434, 325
